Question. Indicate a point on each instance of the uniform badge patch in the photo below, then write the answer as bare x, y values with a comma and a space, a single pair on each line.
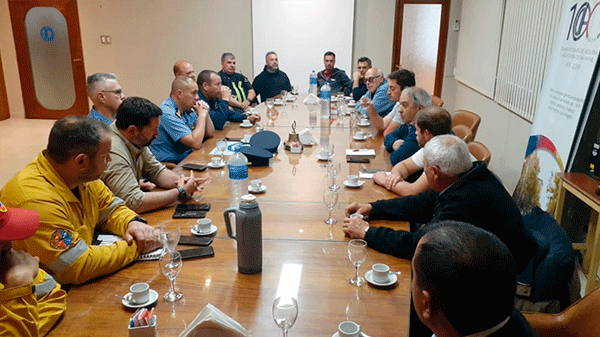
61, 239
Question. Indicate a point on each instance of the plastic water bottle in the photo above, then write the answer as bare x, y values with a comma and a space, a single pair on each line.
313, 83
238, 176
325, 100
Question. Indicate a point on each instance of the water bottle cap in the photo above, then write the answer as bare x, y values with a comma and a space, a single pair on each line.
236, 148
248, 198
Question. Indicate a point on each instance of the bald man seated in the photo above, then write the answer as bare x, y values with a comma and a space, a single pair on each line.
376, 98
184, 68
184, 124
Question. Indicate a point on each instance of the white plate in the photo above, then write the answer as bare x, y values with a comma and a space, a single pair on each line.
355, 137
246, 125
351, 104
262, 189
366, 124
393, 278
337, 334
323, 158
210, 164
347, 184
279, 103
151, 299
290, 99
212, 230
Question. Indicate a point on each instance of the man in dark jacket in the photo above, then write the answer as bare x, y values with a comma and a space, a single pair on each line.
337, 78
461, 191
271, 80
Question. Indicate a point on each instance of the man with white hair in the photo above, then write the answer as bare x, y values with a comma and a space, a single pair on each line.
460, 191
106, 95
402, 143
376, 100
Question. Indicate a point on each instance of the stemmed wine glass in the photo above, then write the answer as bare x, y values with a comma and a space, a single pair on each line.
357, 253
222, 146
169, 236
333, 171
330, 198
285, 312
170, 265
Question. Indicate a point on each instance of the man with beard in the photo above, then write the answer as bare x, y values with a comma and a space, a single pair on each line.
62, 185
131, 159
271, 80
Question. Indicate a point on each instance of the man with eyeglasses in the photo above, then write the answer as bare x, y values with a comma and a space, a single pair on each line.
376, 100
106, 95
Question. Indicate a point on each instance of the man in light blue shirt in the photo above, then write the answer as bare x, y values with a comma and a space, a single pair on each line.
106, 95
377, 87
184, 124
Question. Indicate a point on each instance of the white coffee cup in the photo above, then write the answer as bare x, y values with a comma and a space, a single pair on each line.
246, 122
359, 134
278, 101
203, 225
351, 101
364, 121
215, 161
256, 184
381, 272
353, 180
247, 138
348, 329
357, 215
139, 293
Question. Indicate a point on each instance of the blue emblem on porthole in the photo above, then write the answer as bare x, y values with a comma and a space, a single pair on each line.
47, 33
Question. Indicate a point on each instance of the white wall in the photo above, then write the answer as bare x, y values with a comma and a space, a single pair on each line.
374, 32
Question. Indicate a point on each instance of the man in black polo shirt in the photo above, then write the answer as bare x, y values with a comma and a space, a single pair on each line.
242, 93
271, 80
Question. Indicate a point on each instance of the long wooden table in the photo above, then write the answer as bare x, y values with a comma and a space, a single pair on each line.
293, 233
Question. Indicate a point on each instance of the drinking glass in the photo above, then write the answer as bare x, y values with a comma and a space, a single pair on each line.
270, 103
170, 265
222, 146
334, 169
330, 198
169, 236
285, 312
357, 253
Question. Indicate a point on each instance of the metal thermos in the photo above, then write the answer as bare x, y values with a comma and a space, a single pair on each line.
248, 234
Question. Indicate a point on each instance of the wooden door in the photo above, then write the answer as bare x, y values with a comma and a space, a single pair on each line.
49, 57
413, 57
4, 112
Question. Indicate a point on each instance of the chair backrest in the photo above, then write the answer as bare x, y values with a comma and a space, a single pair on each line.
581, 319
437, 101
466, 118
480, 151
463, 133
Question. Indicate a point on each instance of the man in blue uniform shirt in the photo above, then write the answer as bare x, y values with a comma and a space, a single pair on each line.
106, 94
242, 93
184, 124
217, 97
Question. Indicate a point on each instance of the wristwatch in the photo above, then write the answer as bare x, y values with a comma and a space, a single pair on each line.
182, 194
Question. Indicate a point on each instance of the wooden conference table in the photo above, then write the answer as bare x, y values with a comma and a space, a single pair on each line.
294, 238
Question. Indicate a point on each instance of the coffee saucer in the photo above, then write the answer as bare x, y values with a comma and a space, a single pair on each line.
359, 184
279, 103
391, 280
212, 230
351, 104
323, 158
151, 299
355, 137
262, 189
365, 124
211, 165
337, 334
246, 125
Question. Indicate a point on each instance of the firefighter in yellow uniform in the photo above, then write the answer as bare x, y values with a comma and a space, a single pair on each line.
62, 185
31, 302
